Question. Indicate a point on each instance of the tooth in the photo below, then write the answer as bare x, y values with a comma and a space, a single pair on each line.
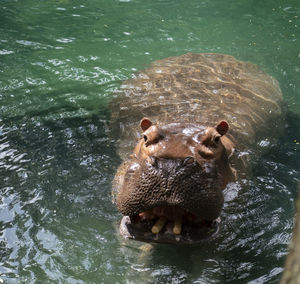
177, 226
159, 224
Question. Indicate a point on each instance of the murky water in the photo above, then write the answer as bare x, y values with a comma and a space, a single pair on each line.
60, 62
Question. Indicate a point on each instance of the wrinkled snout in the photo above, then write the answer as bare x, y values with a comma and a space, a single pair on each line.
162, 182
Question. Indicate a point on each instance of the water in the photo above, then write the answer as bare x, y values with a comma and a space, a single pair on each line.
60, 62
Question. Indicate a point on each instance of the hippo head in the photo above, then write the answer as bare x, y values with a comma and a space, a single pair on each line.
176, 174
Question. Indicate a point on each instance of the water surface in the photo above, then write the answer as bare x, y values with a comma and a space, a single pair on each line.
60, 63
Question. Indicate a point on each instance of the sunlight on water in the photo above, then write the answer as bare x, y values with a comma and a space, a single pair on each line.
60, 63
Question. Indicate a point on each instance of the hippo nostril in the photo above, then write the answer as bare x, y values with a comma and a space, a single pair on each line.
188, 161
152, 160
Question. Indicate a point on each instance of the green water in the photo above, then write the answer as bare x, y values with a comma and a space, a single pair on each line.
60, 62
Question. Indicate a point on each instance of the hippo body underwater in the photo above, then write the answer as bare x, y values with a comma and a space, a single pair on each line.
195, 118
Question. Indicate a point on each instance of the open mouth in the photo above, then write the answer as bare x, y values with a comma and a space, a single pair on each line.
168, 224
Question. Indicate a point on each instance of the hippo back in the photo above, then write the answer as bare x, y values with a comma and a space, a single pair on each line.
202, 89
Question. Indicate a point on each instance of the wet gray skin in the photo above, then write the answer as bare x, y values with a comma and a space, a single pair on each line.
195, 117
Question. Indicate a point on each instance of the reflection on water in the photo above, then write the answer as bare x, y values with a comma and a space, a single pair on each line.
60, 62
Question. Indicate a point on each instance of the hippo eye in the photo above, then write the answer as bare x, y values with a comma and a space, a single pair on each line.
145, 138
217, 139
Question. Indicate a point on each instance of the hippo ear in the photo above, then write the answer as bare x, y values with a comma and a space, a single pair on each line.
222, 127
145, 123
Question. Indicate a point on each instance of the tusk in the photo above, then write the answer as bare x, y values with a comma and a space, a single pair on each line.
177, 225
159, 225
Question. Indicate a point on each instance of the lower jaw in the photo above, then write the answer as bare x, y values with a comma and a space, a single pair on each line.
141, 230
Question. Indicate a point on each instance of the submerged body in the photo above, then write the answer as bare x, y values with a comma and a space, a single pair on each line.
201, 111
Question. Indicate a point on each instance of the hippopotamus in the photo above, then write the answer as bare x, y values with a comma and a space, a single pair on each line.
185, 127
